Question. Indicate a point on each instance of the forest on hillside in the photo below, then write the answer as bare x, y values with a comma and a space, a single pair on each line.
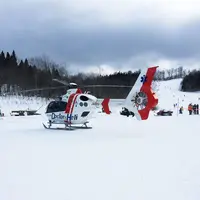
35, 76
191, 82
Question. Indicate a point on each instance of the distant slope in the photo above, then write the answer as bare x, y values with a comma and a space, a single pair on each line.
169, 94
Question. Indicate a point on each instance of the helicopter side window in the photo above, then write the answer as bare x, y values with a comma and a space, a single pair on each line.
83, 98
62, 105
50, 107
56, 106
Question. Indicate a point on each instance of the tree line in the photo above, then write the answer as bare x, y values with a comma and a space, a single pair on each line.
191, 82
19, 75
34, 76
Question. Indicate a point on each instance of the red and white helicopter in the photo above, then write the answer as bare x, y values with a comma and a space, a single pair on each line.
77, 108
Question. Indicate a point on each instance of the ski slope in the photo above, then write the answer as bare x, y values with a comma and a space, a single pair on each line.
120, 158
169, 95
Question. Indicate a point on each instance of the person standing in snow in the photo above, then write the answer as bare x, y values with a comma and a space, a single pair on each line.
190, 108
194, 109
181, 110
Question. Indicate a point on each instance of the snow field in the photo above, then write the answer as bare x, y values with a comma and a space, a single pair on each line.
120, 158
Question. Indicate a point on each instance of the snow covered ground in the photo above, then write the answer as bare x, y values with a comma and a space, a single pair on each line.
120, 158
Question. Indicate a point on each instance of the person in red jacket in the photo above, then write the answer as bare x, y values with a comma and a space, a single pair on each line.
190, 108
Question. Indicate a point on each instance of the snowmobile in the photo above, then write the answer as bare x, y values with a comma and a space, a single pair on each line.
164, 112
126, 112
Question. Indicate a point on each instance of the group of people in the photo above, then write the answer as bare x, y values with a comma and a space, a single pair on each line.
193, 109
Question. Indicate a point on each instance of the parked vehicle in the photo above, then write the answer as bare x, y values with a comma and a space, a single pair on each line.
126, 112
164, 112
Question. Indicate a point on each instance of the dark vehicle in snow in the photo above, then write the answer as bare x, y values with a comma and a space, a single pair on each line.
164, 112
126, 112
23, 112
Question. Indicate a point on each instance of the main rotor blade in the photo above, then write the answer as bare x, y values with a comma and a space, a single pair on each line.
116, 86
36, 89
83, 86
60, 81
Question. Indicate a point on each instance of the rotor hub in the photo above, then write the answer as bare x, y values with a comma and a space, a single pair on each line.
140, 100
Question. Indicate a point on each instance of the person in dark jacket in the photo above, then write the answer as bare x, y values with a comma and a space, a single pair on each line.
197, 109
181, 110
194, 109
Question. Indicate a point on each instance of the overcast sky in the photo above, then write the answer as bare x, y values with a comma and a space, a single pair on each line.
104, 35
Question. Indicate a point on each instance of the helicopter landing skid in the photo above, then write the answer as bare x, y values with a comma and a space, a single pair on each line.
67, 127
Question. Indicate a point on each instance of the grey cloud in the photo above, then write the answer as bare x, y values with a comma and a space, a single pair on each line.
37, 32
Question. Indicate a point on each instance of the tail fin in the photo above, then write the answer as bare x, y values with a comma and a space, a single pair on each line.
141, 95
105, 105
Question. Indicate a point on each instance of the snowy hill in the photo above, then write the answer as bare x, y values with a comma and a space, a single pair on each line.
120, 158
169, 94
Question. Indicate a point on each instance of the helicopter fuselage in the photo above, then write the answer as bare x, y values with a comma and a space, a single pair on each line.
78, 109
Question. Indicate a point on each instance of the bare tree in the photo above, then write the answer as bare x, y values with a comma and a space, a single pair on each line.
44, 62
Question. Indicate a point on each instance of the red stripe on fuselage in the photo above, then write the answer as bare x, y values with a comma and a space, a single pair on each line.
69, 103
73, 103
70, 100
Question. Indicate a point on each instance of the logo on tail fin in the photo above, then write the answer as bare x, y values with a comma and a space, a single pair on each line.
143, 79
